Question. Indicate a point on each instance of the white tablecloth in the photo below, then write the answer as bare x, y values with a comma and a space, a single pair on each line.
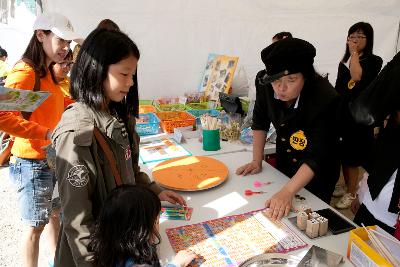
229, 199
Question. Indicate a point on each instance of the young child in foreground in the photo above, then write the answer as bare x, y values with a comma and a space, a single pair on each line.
126, 231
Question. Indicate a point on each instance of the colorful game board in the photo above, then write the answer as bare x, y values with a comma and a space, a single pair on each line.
230, 240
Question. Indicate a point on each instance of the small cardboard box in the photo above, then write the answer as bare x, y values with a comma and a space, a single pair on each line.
360, 253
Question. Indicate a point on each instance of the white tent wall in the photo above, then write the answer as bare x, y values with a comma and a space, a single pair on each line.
176, 36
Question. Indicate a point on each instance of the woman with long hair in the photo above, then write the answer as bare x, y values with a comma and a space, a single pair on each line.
105, 90
358, 67
29, 171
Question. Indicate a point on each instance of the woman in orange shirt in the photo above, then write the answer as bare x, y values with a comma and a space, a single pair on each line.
29, 172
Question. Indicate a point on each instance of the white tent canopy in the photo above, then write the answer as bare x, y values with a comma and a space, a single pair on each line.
176, 36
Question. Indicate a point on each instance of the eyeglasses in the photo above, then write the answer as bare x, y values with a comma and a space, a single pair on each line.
354, 37
66, 64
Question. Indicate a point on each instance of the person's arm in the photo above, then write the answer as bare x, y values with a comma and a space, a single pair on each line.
21, 77
141, 177
14, 125
255, 166
76, 174
260, 127
355, 67
280, 203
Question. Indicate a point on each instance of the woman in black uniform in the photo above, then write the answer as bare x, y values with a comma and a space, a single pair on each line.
356, 71
379, 193
302, 106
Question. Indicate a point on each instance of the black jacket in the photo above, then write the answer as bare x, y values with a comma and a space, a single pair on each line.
385, 159
315, 116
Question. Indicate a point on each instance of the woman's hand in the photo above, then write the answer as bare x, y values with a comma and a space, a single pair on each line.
252, 168
353, 47
279, 204
184, 257
172, 197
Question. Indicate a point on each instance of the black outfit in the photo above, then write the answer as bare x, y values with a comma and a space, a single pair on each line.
315, 116
364, 216
385, 159
357, 139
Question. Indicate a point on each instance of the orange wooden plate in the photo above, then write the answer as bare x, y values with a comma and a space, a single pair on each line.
190, 173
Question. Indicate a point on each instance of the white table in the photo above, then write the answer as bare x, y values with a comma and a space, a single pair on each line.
229, 199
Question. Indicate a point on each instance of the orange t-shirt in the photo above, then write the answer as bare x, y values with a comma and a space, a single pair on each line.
30, 136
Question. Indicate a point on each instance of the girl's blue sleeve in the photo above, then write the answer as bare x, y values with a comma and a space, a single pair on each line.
172, 264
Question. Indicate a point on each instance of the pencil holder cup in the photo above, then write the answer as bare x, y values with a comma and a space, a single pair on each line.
211, 140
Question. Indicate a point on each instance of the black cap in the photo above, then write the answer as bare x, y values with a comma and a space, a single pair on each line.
289, 55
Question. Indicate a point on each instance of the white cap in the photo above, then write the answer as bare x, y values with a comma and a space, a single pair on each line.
58, 24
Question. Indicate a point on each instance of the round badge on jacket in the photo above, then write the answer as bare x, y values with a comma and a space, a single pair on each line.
298, 140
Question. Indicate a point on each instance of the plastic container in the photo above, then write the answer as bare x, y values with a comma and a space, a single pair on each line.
211, 140
170, 107
199, 105
145, 102
146, 109
230, 126
198, 112
147, 124
174, 119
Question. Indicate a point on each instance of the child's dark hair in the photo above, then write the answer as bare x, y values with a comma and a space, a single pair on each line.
367, 29
99, 50
125, 228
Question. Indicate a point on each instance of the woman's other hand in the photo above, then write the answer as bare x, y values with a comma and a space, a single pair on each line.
250, 168
279, 204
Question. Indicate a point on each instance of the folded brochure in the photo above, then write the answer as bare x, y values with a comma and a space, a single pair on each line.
21, 100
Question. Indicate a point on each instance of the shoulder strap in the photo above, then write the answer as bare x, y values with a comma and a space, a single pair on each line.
36, 86
109, 155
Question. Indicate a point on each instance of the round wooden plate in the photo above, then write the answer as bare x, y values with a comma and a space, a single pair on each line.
190, 173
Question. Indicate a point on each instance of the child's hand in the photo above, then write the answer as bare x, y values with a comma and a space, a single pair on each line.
184, 257
172, 197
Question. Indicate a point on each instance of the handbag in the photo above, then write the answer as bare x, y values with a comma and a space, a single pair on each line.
230, 103
6, 142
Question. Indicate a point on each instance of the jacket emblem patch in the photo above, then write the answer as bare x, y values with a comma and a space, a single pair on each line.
78, 176
298, 140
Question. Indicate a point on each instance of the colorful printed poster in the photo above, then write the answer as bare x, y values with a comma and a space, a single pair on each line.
21, 100
218, 75
231, 240
158, 150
